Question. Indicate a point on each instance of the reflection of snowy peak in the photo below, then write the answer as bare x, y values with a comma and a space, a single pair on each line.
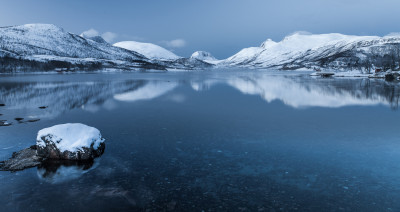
149, 50
307, 92
323, 50
62, 96
149, 91
296, 94
25, 97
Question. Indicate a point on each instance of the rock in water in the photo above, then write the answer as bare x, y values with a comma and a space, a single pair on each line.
70, 142
23, 159
4, 123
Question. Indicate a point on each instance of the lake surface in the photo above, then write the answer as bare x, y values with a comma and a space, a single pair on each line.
208, 141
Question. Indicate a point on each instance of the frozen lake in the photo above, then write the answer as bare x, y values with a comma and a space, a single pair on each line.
208, 141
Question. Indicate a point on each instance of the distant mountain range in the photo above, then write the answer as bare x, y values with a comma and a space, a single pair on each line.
332, 51
42, 47
38, 47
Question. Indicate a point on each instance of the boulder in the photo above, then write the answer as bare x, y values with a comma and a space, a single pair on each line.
71, 141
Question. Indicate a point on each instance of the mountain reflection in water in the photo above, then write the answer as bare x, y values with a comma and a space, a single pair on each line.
212, 141
294, 91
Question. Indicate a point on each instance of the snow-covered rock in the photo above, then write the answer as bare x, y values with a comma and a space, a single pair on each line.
70, 142
149, 50
304, 50
202, 55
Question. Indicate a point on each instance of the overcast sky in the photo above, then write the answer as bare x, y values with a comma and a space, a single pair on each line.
221, 27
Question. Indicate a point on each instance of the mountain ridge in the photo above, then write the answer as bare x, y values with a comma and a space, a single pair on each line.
333, 50
48, 47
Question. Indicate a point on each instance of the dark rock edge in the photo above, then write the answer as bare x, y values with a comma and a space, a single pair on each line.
28, 158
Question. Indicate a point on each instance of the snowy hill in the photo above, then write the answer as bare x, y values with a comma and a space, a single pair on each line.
47, 39
163, 56
42, 43
202, 55
324, 50
149, 50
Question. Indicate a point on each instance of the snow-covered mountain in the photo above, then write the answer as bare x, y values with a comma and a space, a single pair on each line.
38, 44
163, 56
149, 50
202, 55
41, 47
334, 50
46, 47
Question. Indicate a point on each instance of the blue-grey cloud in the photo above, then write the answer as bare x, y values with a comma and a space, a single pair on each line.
90, 33
109, 36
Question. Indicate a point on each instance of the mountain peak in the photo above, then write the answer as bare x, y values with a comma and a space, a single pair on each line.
203, 55
96, 38
268, 43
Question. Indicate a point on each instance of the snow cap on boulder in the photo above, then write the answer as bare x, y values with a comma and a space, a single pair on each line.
70, 142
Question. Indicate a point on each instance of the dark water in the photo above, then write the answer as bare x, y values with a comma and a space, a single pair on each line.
208, 141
